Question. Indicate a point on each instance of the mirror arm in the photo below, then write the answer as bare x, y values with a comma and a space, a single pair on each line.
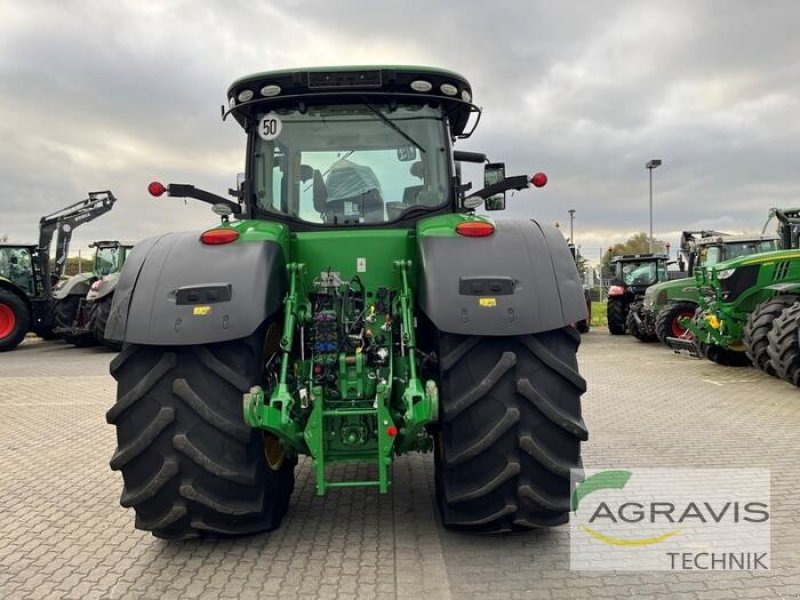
518, 182
184, 190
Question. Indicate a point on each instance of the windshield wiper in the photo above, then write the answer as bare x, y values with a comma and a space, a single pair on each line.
392, 124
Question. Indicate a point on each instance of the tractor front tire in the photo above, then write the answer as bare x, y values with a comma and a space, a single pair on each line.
756, 331
190, 465
723, 356
65, 311
511, 430
616, 313
14, 320
784, 345
668, 320
634, 328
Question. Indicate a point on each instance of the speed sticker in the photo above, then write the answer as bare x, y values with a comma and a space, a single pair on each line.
270, 127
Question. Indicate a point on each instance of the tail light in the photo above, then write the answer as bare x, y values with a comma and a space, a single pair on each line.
475, 228
215, 237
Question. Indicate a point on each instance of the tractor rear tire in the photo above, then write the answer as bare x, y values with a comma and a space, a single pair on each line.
784, 345
190, 464
667, 320
723, 356
615, 310
511, 430
759, 324
14, 320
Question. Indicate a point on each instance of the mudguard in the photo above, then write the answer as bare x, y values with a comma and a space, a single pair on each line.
77, 285
522, 279
175, 290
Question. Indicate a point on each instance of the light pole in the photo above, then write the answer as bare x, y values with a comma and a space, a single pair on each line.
650, 165
571, 212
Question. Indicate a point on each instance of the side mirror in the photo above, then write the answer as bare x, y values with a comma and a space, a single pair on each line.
494, 173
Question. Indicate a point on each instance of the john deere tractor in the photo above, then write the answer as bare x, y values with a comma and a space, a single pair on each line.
741, 301
27, 274
667, 303
350, 306
633, 274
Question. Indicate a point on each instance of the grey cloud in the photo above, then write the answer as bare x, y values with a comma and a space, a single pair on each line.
113, 95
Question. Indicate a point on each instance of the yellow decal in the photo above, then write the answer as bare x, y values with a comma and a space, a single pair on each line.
488, 302
201, 311
615, 541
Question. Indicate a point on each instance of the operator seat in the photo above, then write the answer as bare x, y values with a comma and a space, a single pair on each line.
367, 204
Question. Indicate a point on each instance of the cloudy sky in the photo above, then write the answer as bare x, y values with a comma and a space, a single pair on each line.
115, 94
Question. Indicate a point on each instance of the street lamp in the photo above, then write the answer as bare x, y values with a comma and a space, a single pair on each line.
571, 212
650, 165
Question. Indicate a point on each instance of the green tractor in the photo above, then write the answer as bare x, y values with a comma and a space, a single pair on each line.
633, 274
27, 275
741, 301
666, 304
350, 307
82, 303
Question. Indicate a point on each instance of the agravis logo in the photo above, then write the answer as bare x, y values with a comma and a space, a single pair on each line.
644, 518
610, 480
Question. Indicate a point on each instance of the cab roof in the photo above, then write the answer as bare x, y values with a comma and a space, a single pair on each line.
261, 92
15, 245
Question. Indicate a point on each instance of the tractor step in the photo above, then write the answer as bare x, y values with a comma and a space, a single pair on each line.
684, 346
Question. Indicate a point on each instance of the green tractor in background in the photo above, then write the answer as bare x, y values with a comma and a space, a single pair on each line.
633, 274
350, 307
27, 275
742, 301
82, 303
666, 304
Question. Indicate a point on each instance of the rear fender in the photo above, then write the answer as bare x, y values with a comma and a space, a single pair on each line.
175, 290
103, 287
77, 285
521, 279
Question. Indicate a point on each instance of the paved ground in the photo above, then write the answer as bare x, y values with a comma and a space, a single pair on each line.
63, 533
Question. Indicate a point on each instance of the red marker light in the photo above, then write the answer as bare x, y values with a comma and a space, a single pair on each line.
156, 189
539, 180
475, 228
616, 290
215, 237
391, 431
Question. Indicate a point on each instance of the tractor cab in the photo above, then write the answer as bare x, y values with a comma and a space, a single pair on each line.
716, 249
109, 257
639, 271
17, 266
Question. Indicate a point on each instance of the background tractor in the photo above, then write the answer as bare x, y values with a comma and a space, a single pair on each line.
741, 301
633, 274
350, 306
82, 303
27, 276
667, 303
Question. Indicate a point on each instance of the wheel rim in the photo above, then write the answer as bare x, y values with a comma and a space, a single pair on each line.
273, 451
677, 330
8, 321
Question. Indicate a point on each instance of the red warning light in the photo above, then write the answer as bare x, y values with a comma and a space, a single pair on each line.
156, 188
